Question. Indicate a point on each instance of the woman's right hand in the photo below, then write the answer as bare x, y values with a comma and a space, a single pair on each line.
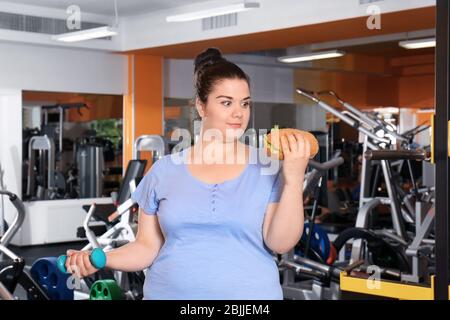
79, 263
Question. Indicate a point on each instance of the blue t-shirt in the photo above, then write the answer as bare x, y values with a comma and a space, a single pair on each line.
214, 247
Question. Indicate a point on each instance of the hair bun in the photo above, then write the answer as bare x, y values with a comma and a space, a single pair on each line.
207, 57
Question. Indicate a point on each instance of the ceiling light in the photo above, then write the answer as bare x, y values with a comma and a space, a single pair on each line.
387, 110
425, 111
93, 33
87, 34
311, 56
218, 11
418, 44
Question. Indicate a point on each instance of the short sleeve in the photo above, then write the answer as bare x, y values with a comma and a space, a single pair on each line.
277, 187
146, 195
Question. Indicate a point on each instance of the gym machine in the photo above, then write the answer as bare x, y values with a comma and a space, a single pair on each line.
12, 267
152, 143
121, 227
310, 262
46, 187
408, 253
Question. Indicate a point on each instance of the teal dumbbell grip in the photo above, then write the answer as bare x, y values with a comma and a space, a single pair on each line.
97, 258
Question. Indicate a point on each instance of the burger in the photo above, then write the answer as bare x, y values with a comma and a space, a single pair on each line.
274, 149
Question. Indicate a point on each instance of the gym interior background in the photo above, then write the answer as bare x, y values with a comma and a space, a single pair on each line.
81, 121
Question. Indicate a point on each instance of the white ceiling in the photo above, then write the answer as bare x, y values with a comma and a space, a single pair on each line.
106, 7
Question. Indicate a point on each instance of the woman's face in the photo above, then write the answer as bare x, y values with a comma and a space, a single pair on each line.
227, 109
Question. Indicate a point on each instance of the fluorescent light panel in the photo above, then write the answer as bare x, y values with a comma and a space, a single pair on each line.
207, 13
385, 110
425, 111
87, 34
418, 44
311, 56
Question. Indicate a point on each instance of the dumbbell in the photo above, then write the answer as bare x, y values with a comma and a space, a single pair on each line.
97, 258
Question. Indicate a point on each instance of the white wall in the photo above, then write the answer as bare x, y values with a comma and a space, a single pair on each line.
39, 68
32, 67
268, 84
10, 139
311, 117
152, 30
10, 147
178, 78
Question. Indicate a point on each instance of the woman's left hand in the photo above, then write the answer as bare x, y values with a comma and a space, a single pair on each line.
296, 151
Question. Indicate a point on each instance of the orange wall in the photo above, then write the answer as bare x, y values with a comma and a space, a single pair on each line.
128, 116
101, 106
416, 91
349, 86
382, 91
415, 81
148, 95
143, 106
374, 81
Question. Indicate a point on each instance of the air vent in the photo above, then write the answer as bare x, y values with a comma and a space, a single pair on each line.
19, 22
226, 20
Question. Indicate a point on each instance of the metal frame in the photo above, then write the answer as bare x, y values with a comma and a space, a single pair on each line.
374, 150
425, 214
5, 240
371, 142
440, 283
153, 143
441, 152
387, 289
291, 264
41, 144
119, 234
14, 273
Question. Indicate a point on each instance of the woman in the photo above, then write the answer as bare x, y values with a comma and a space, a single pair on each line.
207, 225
